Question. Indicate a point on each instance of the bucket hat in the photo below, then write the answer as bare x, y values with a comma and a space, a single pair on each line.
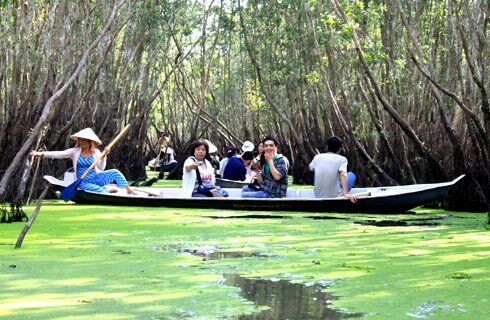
248, 146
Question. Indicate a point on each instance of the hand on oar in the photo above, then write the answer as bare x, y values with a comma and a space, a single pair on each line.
354, 197
70, 191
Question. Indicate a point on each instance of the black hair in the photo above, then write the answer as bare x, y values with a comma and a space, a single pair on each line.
231, 151
196, 144
270, 138
334, 144
247, 155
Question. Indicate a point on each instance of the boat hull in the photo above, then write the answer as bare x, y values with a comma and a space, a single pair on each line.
225, 183
386, 200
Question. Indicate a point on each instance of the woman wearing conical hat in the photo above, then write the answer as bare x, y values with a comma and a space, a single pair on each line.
83, 156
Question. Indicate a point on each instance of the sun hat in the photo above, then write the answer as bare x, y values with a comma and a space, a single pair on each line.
212, 147
248, 146
86, 133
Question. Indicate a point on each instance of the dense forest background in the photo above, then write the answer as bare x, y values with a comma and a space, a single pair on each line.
404, 82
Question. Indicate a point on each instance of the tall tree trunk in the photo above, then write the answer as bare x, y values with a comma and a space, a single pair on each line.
16, 163
438, 171
437, 89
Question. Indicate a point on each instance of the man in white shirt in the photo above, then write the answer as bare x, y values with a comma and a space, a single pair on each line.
331, 176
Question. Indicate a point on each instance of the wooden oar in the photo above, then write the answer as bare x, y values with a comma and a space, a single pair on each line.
153, 194
360, 194
71, 190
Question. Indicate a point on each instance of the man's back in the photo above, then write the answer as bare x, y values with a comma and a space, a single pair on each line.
327, 167
235, 169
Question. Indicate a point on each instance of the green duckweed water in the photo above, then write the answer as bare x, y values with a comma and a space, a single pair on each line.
102, 262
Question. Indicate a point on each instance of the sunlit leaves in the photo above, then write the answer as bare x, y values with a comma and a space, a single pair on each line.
313, 78
254, 99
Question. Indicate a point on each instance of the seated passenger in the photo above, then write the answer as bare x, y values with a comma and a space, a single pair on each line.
272, 179
331, 176
230, 152
197, 164
166, 156
212, 156
236, 169
83, 155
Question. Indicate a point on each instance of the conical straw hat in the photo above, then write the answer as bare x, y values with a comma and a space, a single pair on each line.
212, 147
86, 133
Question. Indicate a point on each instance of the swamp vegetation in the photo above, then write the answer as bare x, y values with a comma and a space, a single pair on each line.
90, 262
405, 82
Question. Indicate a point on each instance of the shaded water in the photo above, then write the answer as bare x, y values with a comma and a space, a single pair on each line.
326, 218
250, 216
214, 255
287, 300
403, 222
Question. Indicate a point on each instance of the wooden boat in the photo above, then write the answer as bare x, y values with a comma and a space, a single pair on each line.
382, 200
226, 183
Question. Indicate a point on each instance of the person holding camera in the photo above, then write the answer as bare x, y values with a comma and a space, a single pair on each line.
198, 179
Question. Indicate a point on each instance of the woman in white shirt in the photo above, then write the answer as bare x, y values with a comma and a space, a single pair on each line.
197, 163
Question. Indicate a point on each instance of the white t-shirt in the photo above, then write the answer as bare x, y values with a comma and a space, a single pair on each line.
222, 166
327, 167
189, 179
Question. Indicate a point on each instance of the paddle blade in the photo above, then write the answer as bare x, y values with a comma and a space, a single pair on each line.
71, 190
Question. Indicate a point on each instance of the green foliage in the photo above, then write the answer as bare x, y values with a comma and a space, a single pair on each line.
313, 78
254, 99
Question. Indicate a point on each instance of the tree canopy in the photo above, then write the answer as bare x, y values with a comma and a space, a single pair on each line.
403, 82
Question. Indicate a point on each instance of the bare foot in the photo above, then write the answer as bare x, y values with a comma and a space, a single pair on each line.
112, 190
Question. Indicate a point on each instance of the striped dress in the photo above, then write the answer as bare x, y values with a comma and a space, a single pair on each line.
96, 182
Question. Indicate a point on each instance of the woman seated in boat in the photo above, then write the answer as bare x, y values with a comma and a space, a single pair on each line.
198, 179
230, 152
236, 169
83, 156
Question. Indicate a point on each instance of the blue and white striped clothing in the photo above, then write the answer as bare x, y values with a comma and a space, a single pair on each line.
96, 182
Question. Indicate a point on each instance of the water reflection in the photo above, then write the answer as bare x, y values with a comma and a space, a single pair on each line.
286, 300
396, 223
250, 216
214, 255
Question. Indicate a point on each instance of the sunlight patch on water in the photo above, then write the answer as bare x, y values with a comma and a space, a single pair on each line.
430, 308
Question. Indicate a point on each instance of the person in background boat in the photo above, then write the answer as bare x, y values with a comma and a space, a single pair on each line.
236, 169
272, 178
331, 176
167, 155
230, 152
212, 156
165, 159
163, 141
83, 156
259, 160
248, 146
197, 162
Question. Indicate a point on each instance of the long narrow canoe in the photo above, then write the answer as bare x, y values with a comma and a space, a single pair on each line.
382, 200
